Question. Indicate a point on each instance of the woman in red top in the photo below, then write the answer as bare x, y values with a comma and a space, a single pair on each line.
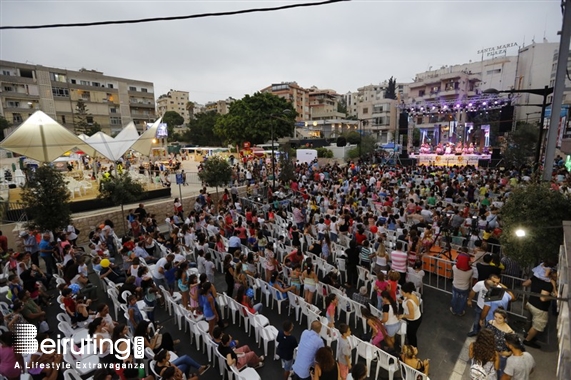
360, 236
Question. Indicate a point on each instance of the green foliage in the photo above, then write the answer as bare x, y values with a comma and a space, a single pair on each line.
172, 119
353, 153
120, 189
365, 146
46, 199
520, 145
216, 173
201, 130
342, 106
287, 172
353, 137
252, 117
4, 124
324, 153
341, 141
391, 91
83, 120
539, 211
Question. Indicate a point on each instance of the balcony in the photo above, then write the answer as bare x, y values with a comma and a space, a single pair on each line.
19, 94
21, 108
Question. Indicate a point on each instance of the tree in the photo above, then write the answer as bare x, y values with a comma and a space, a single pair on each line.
120, 190
252, 118
363, 148
83, 120
353, 137
287, 168
4, 124
342, 106
172, 119
324, 153
539, 211
46, 199
520, 145
201, 130
216, 172
341, 141
391, 91
190, 108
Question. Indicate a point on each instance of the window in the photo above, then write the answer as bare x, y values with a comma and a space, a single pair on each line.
63, 119
421, 92
57, 91
85, 95
96, 84
8, 88
84, 83
110, 85
73, 81
89, 119
55, 77
112, 110
13, 104
131, 88
26, 73
143, 89
16, 118
6, 72
365, 110
115, 120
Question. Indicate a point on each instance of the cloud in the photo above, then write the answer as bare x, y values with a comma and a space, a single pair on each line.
340, 46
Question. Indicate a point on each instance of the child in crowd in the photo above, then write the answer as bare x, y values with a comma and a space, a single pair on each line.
331, 307
344, 351
287, 344
381, 285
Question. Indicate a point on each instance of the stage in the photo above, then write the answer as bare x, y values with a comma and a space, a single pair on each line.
449, 159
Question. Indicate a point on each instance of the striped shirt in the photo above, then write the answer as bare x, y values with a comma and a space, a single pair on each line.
398, 259
364, 255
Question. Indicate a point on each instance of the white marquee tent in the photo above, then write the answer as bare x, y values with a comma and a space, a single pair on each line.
42, 138
145, 142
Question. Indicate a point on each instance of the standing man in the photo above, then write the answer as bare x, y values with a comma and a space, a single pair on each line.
46, 253
31, 245
538, 306
141, 212
309, 343
399, 260
480, 290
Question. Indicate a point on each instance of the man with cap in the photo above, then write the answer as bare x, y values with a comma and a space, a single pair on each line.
461, 281
361, 296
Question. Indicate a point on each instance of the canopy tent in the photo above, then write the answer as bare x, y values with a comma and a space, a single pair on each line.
126, 138
104, 145
42, 138
145, 142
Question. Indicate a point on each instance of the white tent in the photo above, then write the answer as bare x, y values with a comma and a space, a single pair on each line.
104, 145
144, 143
42, 138
126, 138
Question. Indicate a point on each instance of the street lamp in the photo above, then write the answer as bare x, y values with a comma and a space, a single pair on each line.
545, 92
284, 112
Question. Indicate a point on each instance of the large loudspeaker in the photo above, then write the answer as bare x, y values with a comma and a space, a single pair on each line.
403, 122
506, 119
404, 153
496, 154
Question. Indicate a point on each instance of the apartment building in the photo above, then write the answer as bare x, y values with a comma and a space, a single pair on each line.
298, 96
324, 104
564, 138
220, 106
176, 101
112, 102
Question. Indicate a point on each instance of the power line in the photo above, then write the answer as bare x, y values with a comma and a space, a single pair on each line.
172, 18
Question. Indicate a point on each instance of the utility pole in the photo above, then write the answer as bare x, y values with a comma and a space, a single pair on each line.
559, 86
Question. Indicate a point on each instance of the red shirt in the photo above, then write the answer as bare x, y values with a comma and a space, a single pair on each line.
69, 303
360, 238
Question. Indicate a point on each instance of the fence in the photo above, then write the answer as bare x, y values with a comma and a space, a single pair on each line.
439, 276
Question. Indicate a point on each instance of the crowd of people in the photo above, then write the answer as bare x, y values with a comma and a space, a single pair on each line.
360, 208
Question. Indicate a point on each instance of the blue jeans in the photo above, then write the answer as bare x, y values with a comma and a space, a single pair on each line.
459, 298
185, 363
379, 302
476, 325
258, 307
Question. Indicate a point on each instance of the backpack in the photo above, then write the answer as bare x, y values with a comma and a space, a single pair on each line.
478, 371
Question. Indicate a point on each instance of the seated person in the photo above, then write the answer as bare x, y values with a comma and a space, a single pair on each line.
240, 357
276, 283
182, 364
106, 270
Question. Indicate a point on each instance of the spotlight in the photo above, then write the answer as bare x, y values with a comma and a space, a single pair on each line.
469, 104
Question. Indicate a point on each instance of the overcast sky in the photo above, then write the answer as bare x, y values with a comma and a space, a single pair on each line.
341, 46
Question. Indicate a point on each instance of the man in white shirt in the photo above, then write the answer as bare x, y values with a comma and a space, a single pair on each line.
480, 290
158, 271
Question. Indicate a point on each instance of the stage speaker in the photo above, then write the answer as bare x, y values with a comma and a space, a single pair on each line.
496, 154
403, 154
403, 122
506, 119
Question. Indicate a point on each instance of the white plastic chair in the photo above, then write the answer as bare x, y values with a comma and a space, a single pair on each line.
294, 303
409, 373
276, 294
257, 323
71, 374
86, 364
246, 373
268, 334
